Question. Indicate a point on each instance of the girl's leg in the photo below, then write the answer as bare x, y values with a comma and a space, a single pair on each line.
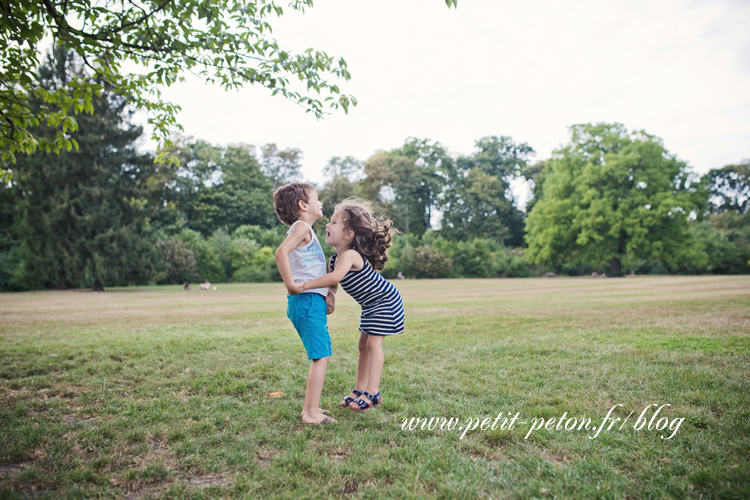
376, 358
363, 365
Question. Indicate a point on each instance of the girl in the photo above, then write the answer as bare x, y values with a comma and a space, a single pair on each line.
361, 242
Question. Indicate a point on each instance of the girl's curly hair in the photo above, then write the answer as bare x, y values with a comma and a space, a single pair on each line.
372, 237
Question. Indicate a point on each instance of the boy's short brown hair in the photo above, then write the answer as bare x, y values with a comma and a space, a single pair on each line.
286, 200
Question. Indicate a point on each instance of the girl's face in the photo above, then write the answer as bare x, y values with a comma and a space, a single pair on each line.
337, 234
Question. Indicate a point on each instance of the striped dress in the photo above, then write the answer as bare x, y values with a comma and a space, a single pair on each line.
382, 307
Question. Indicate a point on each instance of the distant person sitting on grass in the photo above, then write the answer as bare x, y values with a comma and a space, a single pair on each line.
300, 258
206, 285
186, 286
361, 242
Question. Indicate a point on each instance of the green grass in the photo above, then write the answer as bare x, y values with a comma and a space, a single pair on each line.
157, 392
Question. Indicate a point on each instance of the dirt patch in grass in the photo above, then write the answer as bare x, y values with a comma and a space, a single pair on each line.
265, 457
206, 481
12, 469
148, 491
338, 454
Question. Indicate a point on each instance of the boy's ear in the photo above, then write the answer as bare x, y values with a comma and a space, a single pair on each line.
302, 205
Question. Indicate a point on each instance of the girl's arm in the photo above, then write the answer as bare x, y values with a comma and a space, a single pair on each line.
331, 297
299, 233
335, 287
343, 264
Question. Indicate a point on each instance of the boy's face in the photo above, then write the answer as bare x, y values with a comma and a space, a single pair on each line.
314, 205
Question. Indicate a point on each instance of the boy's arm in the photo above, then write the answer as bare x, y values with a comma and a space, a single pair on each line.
343, 264
298, 235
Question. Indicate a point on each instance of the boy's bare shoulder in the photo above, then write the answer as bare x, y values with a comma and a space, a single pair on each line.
302, 229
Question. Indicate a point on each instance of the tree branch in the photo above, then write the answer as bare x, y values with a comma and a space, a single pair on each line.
143, 18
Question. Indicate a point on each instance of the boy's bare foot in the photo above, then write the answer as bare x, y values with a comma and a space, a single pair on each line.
320, 410
318, 418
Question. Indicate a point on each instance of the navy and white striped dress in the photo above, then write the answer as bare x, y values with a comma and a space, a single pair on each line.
382, 307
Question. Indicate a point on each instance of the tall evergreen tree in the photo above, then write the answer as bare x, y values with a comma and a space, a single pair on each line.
82, 216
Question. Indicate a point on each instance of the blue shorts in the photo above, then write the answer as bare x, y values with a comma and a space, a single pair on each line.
307, 311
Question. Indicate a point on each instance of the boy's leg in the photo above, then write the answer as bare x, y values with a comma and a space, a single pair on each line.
308, 314
311, 413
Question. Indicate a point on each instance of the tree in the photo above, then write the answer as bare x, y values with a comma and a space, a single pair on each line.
82, 217
280, 166
477, 208
726, 232
611, 195
407, 181
479, 201
10, 257
345, 175
534, 175
334, 192
422, 169
730, 188
213, 187
501, 157
377, 177
346, 166
242, 194
226, 43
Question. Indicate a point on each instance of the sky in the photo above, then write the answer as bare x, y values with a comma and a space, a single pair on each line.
678, 69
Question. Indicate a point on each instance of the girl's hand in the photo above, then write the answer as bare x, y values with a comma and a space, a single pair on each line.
330, 302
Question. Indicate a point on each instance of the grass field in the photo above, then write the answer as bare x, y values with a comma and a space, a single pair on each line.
161, 393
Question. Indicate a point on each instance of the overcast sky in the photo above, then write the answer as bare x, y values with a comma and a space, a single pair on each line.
679, 69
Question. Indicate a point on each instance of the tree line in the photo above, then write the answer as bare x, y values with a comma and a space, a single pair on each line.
107, 214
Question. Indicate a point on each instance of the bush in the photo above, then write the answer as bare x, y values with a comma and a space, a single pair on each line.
428, 262
262, 236
209, 264
180, 261
511, 263
262, 268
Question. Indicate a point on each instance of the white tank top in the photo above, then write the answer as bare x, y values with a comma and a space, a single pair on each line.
308, 262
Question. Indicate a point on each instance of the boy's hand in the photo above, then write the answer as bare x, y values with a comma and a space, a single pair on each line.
330, 302
294, 288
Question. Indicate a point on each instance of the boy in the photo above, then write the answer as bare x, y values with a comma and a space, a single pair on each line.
300, 258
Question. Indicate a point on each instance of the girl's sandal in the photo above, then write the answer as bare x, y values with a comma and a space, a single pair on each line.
372, 402
348, 400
